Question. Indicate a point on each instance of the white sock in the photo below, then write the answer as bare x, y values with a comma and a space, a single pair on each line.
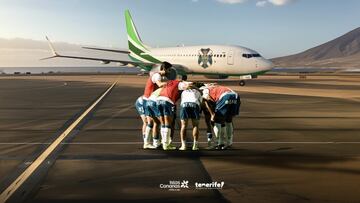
156, 142
229, 133
217, 131
195, 143
163, 135
183, 142
147, 135
167, 132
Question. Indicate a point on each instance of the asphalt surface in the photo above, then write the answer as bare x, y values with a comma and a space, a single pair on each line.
288, 148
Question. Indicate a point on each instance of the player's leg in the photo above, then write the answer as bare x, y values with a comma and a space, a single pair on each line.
184, 123
229, 132
156, 133
144, 124
233, 111
195, 132
161, 118
209, 128
168, 119
156, 127
148, 131
139, 105
219, 126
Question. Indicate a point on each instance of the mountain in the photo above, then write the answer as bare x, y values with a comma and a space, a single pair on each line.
343, 51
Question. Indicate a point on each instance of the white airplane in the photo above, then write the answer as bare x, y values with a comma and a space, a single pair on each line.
212, 61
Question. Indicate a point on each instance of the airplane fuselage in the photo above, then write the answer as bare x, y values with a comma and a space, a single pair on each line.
212, 59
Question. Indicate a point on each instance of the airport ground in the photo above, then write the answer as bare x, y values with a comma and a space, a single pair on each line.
296, 140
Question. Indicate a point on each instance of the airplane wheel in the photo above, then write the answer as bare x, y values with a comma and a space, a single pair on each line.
184, 78
242, 83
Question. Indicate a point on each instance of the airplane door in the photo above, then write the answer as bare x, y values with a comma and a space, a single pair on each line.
230, 57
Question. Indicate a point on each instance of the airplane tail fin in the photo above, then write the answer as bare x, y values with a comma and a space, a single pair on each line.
138, 50
134, 40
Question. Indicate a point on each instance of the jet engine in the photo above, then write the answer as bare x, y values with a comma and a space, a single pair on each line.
216, 76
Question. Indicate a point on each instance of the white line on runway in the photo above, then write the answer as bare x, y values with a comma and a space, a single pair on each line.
6, 194
136, 143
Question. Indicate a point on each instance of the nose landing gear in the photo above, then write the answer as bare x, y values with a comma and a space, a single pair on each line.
242, 83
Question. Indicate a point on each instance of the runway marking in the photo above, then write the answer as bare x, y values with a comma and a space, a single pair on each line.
136, 143
6, 194
128, 107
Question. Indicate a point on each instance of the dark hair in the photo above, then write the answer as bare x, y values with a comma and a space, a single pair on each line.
165, 66
198, 84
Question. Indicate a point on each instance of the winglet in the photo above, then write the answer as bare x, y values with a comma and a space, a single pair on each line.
54, 53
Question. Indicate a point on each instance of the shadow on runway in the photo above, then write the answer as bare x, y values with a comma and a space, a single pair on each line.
278, 158
139, 200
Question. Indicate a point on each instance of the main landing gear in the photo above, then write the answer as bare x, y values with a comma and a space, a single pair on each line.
242, 83
245, 77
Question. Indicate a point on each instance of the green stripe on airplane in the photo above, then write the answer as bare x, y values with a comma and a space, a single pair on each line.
147, 68
138, 52
131, 30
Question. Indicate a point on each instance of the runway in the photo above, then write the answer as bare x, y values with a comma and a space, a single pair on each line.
296, 140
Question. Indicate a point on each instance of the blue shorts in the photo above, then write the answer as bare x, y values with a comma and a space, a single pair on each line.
227, 107
140, 106
165, 108
189, 110
151, 109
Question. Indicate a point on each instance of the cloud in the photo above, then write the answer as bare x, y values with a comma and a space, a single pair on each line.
261, 3
280, 2
231, 1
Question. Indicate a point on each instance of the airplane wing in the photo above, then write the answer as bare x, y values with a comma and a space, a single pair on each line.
122, 51
180, 69
103, 60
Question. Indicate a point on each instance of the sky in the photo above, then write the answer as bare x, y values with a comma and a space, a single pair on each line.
271, 27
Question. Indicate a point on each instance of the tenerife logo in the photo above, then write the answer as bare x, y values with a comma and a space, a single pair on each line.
210, 186
205, 57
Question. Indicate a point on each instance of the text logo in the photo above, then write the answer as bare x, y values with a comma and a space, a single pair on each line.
175, 185
211, 186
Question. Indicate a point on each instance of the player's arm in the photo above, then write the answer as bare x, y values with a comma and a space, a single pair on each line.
212, 113
184, 85
206, 97
160, 84
156, 78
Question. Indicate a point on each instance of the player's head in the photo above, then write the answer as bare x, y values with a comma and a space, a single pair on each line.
165, 67
198, 84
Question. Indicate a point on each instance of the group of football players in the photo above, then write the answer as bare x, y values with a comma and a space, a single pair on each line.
157, 108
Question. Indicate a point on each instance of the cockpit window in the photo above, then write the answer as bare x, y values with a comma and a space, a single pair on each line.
251, 55
246, 55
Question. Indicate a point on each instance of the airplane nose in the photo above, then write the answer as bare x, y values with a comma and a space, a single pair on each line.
266, 64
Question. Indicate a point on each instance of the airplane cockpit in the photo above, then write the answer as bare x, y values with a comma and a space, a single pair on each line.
251, 55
